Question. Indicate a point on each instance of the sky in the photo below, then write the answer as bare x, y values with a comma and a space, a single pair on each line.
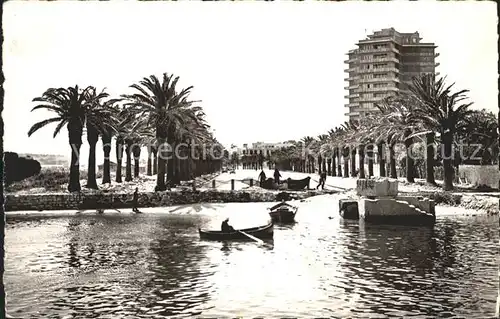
264, 71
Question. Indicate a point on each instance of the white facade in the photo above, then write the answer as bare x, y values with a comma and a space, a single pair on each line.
260, 147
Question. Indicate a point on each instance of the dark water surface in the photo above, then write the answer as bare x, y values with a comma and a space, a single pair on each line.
154, 266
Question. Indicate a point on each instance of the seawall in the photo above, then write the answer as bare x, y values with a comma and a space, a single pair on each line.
80, 201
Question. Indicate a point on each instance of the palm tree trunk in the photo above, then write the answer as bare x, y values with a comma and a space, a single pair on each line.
92, 138
334, 164
136, 167
381, 156
329, 167
361, 161
429, 161
392, 161
74, 169
119, 159
177, 169
160, 178
91, 175
339, 162
447, 161
410, 162
346, 162
136, 150
128, 166
106, 147
149, 167
323, 165
320, 160
189, 167
369, 153
155, 161
353, 162
170, 165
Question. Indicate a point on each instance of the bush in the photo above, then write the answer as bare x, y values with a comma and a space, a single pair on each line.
52, 179
18, 168
446, 198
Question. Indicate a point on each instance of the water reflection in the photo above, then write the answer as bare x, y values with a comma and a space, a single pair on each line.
156, 266
181, 268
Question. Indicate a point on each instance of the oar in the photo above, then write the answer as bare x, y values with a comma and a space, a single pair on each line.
260, 241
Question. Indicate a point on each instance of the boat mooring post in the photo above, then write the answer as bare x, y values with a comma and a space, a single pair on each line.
213, 183
251, 182
232, 184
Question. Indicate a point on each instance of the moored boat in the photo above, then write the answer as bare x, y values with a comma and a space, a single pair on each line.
283, 213
261, 232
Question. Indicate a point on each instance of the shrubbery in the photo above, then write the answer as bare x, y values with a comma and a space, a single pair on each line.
52, 179
18, 168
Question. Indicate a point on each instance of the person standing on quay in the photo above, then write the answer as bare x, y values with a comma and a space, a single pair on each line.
322, 180
277, 176
135, 201
262, 178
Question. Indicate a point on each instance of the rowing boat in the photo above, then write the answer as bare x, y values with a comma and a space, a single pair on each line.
283, 213
262, 232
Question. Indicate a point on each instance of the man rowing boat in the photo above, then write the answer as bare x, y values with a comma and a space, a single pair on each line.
225, 227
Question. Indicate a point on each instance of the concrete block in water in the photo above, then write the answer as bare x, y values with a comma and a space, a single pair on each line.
425, 204
348, 209
392, 211
377, 187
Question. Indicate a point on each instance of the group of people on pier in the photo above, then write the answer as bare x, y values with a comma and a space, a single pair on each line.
262, 177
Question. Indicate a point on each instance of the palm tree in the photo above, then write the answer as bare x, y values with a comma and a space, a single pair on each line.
365, 139
443, 112
108, 131
335, 139
69, 105
481, 128
353, 138
165, 110
98, 119
197, 132
322, 139
377, 131
400, 123
308, 143
124, 126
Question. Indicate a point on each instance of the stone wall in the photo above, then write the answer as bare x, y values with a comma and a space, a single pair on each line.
152, 199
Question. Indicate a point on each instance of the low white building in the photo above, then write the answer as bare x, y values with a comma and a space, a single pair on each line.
260, 148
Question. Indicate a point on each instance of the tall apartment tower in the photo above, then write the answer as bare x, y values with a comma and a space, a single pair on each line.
383, 64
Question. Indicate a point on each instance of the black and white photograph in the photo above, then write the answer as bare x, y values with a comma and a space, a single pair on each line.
250, 159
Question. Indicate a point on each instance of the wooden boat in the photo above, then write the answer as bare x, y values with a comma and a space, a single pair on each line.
261, 232
298, 184
283, 213
291, 184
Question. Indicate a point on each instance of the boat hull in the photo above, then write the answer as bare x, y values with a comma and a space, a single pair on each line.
283, 215
262, 232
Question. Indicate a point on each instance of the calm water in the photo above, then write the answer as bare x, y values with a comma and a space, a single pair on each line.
154, 265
